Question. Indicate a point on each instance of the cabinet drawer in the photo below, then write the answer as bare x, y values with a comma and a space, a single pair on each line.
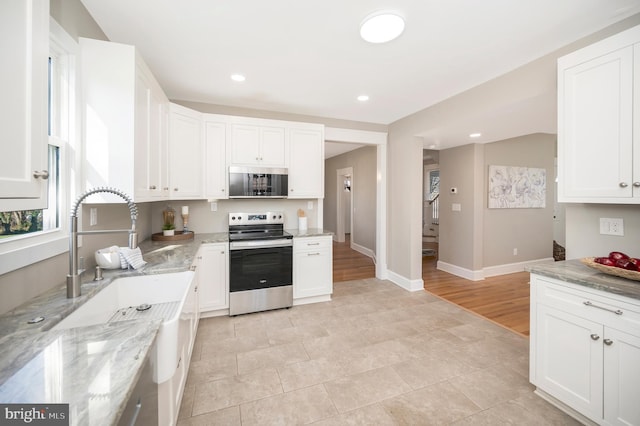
607, 309
311, 243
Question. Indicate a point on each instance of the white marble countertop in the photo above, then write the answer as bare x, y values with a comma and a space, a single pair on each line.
574, 271
94, 369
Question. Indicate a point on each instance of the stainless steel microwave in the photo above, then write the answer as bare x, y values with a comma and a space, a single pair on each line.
258, 182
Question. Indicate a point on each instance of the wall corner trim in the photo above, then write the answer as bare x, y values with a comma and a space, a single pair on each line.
405, 283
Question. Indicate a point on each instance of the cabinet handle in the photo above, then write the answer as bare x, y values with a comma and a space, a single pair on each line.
222, 190
594, 336
617, 311
222, 252
636, 184
43, 174
166, 188
257, 158
608, 342
152, 187
313, 244
313, 254
175, 189
623, 184
193, 267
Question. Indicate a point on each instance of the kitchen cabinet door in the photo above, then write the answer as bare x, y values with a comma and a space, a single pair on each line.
596, 138
151, 138
257, 145
215, 138
621, 377
569, 360
125, 124
306, 162
312, 267
24, 43
214, 277
185, 153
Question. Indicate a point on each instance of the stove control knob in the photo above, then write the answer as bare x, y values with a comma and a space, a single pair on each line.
233, 218
274, 216
239, 217
279, 216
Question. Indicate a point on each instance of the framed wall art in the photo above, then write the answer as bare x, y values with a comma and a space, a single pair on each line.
512, 187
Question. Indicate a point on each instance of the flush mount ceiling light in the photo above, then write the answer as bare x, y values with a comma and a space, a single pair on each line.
381, 27
238, 77
363, 98
475, 135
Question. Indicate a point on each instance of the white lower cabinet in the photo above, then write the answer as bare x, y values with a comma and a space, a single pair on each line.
585, 350
312, 267
213, 278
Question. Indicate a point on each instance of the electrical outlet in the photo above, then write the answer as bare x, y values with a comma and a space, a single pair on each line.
214, 206
309, 205
456, 207
515, 251
611, 226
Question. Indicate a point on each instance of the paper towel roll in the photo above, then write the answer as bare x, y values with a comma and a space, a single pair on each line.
302, 223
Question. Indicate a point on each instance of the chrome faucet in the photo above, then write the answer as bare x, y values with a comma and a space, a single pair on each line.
73, 279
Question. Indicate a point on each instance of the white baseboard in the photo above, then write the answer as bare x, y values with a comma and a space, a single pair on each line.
510, 268
460, 271
490, 271
363, 250
405, 283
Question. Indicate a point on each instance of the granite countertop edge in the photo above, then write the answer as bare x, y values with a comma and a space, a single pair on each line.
574, 271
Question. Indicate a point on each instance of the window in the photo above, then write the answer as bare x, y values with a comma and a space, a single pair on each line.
30, 236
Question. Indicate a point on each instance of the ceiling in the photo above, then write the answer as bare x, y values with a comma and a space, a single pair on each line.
306, 57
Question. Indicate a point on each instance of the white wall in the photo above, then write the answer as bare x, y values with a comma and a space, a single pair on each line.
583, 230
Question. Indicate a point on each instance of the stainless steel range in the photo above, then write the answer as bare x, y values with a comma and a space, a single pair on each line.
260, 270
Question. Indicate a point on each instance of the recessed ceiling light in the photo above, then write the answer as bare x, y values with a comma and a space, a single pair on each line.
238, 77
381, 27
475, 135
363, 98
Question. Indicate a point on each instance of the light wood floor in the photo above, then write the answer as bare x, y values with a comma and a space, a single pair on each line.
503, 299
350, 265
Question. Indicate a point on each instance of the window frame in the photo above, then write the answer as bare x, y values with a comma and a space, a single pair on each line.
25, 250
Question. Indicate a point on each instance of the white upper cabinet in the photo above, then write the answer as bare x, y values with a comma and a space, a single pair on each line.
125, 123
24, 43
598, 150
185, 153
151, 144
306, 161
260, 143
215, 138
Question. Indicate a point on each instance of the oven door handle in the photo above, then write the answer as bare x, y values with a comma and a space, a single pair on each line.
240, 245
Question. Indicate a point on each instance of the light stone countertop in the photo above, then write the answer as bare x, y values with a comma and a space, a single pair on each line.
574, 271
311, 232
39, 365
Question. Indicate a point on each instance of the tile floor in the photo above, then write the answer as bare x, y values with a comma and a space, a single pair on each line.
375, 354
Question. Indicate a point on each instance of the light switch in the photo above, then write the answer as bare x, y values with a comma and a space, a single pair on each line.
456, 207
309, 205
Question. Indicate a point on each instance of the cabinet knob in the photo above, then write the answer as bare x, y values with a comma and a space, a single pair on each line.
594, 336
166, 188
41, 175
175, 189
222, 190
623, 184
636, 184
608, 342
152, 187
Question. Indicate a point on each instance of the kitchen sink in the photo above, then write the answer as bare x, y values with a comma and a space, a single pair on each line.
168, 297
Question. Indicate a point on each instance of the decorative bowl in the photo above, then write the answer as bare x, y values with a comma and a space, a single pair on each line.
611, 270
108, 258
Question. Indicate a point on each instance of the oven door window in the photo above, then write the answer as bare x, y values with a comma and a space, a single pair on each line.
253, 269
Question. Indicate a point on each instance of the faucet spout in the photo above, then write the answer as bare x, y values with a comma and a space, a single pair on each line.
73, 278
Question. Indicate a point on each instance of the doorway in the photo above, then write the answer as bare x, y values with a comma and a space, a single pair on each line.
430, 205
344, 203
